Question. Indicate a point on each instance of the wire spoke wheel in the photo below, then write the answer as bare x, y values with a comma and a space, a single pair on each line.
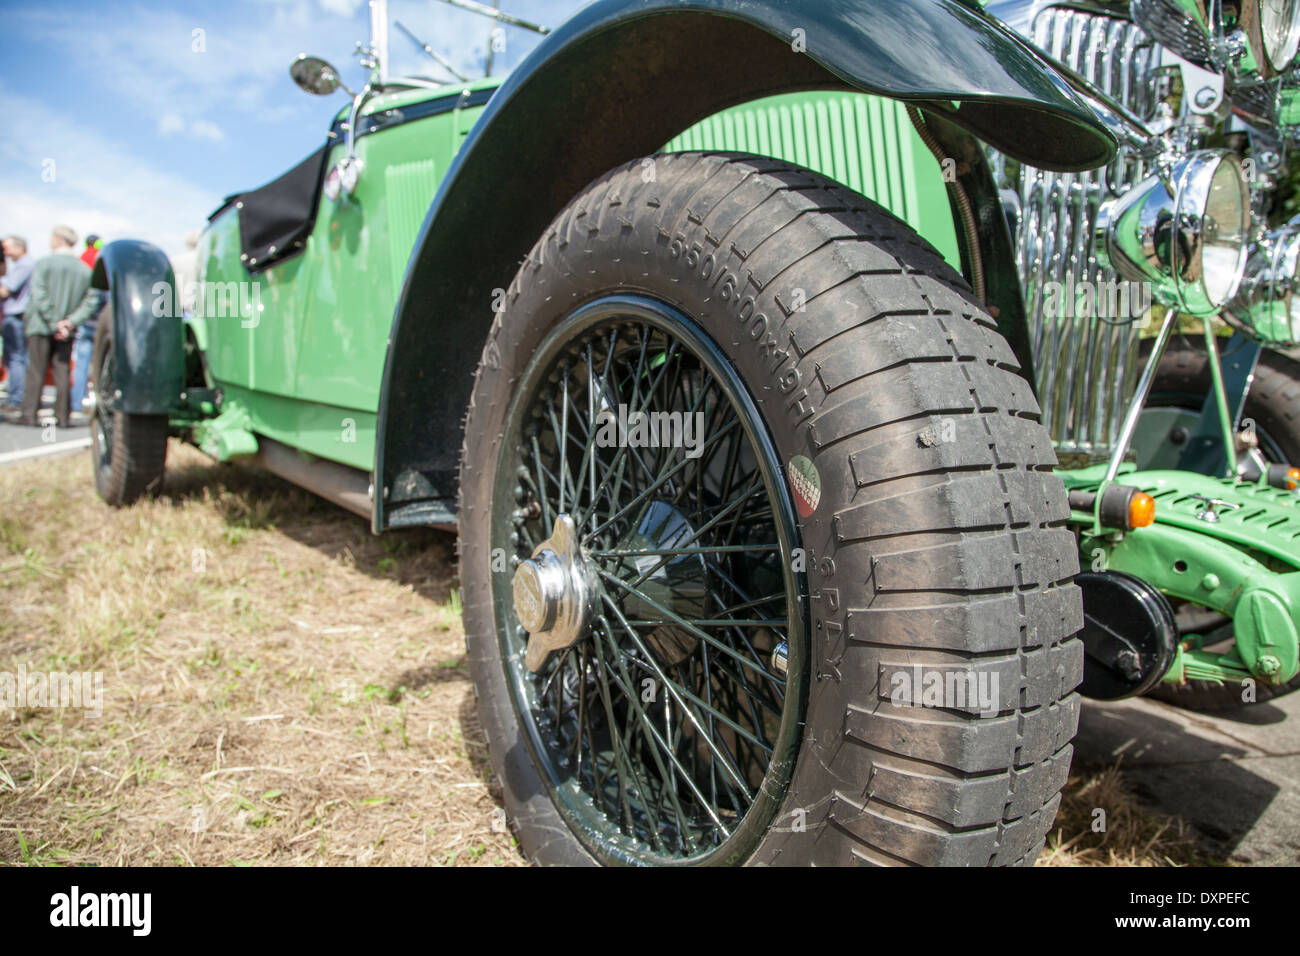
742, 454
659, 716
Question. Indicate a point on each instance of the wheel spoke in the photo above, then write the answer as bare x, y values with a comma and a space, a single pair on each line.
682, 622
628, 687
682, 695
658, 483
620, 756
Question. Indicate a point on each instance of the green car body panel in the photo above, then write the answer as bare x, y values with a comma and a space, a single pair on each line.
867, 143
306, 369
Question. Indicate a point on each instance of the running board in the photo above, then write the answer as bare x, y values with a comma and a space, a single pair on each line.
346, 487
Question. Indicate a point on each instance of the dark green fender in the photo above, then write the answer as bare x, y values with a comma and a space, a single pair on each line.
148, 334
618, 81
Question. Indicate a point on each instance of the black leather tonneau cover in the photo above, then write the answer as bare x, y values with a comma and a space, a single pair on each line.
275, 219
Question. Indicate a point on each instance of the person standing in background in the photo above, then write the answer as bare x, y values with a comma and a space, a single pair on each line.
83, 345
91, 252
15, 290
61, 299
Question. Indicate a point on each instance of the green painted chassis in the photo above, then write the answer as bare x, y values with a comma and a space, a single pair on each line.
1239, 558
1242, 566
322, 400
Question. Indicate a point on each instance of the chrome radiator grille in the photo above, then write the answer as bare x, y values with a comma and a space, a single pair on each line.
1086, 367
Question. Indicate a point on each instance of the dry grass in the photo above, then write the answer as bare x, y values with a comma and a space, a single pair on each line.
1125, 833
280, 687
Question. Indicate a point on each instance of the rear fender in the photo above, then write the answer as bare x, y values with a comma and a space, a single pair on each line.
148, 333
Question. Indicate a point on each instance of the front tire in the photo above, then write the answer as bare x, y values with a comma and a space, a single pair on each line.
889, 429
128, 452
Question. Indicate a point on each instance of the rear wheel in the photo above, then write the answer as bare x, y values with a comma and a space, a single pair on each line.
831, 624
128, 452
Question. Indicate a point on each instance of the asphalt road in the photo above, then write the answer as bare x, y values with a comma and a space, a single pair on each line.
1234, 778
20, 442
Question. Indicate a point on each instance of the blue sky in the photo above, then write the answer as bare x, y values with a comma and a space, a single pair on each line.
136, 118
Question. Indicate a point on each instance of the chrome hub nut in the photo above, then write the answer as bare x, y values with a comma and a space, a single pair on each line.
554, 591
539, 587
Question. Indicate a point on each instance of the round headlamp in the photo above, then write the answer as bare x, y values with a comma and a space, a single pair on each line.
1183, 230
1267, 306
1274, 33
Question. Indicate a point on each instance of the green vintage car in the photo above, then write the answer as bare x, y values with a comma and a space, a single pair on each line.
756, 350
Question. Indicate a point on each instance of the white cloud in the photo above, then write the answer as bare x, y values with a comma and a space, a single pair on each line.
170, 123
97, 185
342, 8
204, 129
158, 70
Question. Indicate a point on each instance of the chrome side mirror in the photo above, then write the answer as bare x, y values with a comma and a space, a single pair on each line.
318, 77
314, 75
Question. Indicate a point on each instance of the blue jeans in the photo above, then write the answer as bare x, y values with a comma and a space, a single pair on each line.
15, 360
82, 346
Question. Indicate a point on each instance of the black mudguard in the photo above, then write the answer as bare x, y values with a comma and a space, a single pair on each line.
617, 82
148, 332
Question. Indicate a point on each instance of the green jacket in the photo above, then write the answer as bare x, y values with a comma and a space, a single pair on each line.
60, 290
